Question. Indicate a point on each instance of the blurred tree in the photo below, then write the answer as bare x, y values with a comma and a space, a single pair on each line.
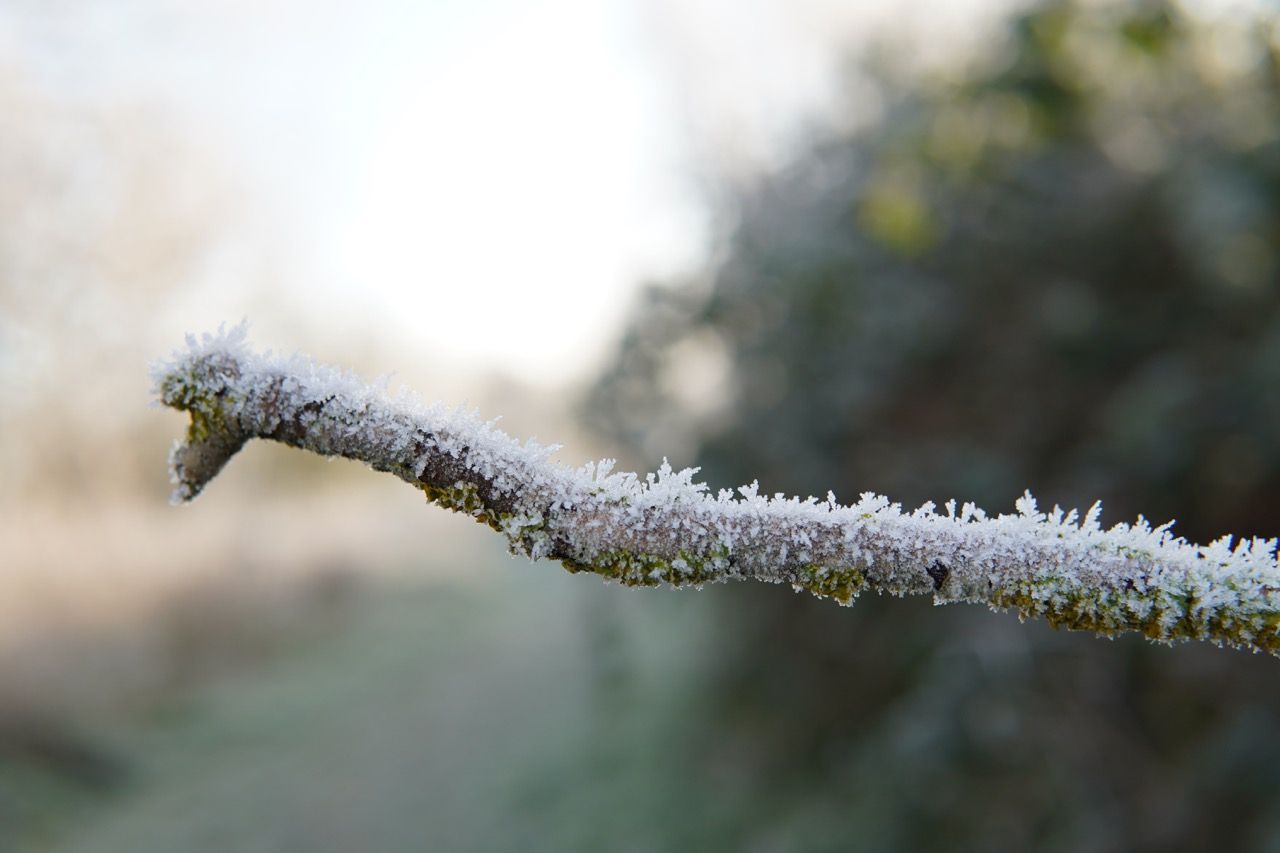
1058, 269
107, 217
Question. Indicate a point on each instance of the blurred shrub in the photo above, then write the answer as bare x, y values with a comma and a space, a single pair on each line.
1056, 268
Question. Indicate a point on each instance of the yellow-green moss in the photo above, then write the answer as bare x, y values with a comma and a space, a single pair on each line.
622, 566
207, 410
1170, 616
825, 582
1064, 606
465, 498
650, 570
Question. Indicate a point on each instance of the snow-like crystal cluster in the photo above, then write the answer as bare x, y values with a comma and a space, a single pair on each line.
667, 528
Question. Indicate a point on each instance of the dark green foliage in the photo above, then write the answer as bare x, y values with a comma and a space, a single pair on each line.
1059, 269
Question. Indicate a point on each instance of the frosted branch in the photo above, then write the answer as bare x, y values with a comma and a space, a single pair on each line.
665, 528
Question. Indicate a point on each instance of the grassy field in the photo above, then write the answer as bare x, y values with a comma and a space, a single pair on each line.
528, 710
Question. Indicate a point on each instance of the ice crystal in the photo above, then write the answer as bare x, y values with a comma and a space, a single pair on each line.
666, 527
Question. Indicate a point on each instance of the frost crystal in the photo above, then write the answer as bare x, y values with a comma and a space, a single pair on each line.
665, 527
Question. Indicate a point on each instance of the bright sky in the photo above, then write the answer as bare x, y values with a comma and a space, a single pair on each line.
484, 181
518, 184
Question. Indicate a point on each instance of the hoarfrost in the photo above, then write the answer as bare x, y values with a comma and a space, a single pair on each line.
668, 527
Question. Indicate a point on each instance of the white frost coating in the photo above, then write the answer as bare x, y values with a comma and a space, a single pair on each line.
665, 527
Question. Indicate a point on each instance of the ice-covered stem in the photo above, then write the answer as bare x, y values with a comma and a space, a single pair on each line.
666, 528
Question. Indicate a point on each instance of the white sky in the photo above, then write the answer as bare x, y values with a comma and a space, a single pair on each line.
485, 181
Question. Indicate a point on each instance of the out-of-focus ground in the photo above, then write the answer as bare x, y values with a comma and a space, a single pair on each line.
310, 706
441, 716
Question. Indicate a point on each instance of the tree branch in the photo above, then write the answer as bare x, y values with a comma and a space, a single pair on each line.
666, 528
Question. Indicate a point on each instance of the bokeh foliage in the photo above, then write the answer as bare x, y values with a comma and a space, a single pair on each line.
1055, 267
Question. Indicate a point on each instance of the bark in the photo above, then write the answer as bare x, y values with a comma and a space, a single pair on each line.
667, 529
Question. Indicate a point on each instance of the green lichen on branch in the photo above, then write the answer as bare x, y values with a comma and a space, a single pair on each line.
206, 405
638, 569
843, 585
465, 498
213, 437
667, 529
651, 570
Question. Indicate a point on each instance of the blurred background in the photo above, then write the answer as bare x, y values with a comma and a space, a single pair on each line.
928, 249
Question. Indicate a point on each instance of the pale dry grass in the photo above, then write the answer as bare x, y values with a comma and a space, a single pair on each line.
103, 610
